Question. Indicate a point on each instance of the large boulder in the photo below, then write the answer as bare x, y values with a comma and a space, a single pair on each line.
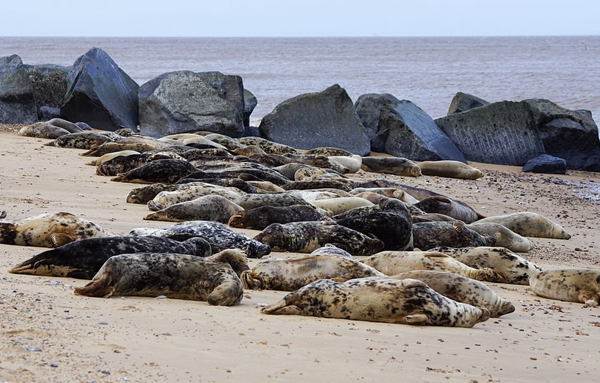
49, 83
311, 120
461, 102
546, 164
401, 128
100, 93
17, 100
184, 101
568, 134
503, 133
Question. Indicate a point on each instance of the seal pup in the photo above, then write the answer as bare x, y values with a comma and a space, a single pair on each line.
165, 171
450, 169
217, 234
398, 166
569, 285
396, 262
500, 236
462, 289
205, 208
450, 207
304, 237
390, 192
376, 299
530, 224
513, 268
83, 258
289, 274
427, 235
352, 163
179, 276
262, 216
394, 229
49, 230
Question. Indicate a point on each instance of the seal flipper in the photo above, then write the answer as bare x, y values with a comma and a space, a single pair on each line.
98, 287
282, 308
59, 239
417, 319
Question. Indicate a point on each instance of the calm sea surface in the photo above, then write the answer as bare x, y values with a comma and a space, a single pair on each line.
426, 71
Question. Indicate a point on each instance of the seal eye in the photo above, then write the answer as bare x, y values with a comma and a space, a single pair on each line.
598, 278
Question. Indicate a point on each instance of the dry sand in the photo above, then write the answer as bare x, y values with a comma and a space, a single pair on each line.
51, 335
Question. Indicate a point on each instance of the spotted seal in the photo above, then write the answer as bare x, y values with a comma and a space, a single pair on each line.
390, 192
375, 299
83, 258
251, 201
108, 156
165, 171
330, 249
42, 129
329, 151
392, 228
135, 142
352, 163
217, 234
462, 289
180, 276
398, 166
427, 235
450, 207
49, 230
125, 163
450, 169
569, 285
205, 208
304, 237
342, 204
289, 274
262, 216
513, 268
529, 224
190, 191
84, 140
396, 262
500, 236
266, 145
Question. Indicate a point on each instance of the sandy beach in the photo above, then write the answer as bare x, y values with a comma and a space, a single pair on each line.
51, 335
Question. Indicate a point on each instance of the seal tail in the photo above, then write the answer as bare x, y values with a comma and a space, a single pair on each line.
282, 308
98, 287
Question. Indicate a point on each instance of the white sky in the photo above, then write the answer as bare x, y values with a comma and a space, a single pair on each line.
284, 18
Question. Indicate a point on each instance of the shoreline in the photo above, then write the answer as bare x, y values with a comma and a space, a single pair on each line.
156, 340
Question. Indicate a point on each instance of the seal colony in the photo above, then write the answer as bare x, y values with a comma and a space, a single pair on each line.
300, 202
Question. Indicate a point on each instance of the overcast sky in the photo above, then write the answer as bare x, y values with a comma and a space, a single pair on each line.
283, 18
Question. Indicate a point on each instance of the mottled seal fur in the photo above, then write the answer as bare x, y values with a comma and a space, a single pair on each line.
427, 235
217, 234
396, 262
341, 204
251, 201
390, 192
125, 163
289, 274
330, 249
513, 268
304, 237
205, 208
394, 229
500, 236
569, 285
180, 276
398, 166
109, 156
448, 206
49, 230
42, 130
165, 171
266, 145
190, 191
262, 216
530, 224
462, 289
329, 151
376, 299
450, 169
83, 258
84, 140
